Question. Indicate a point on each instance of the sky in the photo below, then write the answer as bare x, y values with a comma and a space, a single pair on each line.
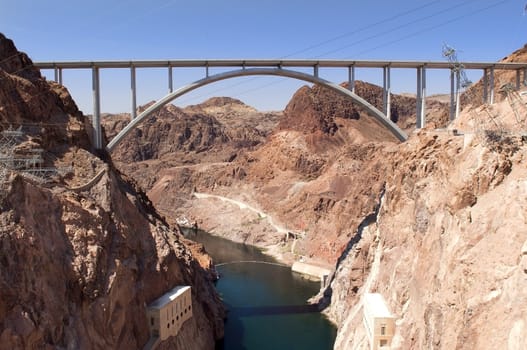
59, 30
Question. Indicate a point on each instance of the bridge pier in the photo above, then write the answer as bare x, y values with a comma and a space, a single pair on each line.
421, 98
315, 70
485, 86
170, 81
58, 75
491, 86
133, 92
96, 120
525, 76
488, 85
351, 78
518, 79
458, 92
387, 91
453, 100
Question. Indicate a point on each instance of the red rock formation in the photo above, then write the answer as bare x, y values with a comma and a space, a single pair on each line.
436, 224
445, 248
78, 267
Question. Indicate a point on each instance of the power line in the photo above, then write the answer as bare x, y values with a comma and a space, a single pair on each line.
361, 29
416, 33
419, 32
391, 30
341, 36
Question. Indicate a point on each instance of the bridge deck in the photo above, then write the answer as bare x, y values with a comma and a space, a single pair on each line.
275, 63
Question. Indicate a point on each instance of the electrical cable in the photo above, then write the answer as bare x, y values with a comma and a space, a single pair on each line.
361, 29
402, 38
416, 33
391, 30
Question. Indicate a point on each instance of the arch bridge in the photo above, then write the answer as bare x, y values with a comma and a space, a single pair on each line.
286, 68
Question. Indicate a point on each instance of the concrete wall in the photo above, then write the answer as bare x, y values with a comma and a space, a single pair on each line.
379, 323
314, 272
167, 320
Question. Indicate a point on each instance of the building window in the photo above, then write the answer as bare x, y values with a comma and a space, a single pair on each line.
152, 321
383, 342
383, 329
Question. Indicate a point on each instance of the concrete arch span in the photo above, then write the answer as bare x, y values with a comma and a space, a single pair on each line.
378, 115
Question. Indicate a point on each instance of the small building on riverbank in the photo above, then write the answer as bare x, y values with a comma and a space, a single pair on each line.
378, 321
167, 314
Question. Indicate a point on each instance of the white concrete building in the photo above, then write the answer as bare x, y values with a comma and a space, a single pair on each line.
167, 314
378, 321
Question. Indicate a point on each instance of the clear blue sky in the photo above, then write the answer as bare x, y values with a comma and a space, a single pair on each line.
481, 30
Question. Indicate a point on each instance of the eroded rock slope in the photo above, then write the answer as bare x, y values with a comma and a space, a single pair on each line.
80, 263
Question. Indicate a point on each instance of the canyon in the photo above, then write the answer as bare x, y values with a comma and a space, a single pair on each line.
436, 224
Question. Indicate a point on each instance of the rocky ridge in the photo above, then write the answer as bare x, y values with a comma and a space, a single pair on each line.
79, 266
436, 224
445, 247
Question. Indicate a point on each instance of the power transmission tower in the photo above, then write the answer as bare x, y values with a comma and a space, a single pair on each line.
28, 163
483, 124
517, 103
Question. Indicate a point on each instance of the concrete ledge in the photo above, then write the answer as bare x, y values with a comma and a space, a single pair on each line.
312, 271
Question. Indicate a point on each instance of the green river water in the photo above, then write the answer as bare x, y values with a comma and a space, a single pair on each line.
266, 303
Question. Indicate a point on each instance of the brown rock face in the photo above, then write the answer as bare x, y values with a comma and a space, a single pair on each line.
87, 264
444, 249
78, 267
474, 95
317, 108
25, 97
436, 224
217, 131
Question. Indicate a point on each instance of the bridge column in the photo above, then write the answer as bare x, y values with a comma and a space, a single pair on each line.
58, 75
518, 79
170, 81
133, 92
458, 92
315, 70
491, 97
525, 76
96, 120
351, 78
386, 95
485, 86
452, 96
421, 97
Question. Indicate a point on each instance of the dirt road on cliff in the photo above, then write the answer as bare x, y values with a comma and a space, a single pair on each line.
243, 205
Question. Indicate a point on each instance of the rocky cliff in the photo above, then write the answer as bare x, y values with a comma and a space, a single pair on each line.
80, 263
473, 97
436, 225
445, 247
302, 176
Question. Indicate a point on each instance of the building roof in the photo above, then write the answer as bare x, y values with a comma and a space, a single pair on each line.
377, 305
168, 297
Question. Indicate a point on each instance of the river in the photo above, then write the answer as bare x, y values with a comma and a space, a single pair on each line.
266, 302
